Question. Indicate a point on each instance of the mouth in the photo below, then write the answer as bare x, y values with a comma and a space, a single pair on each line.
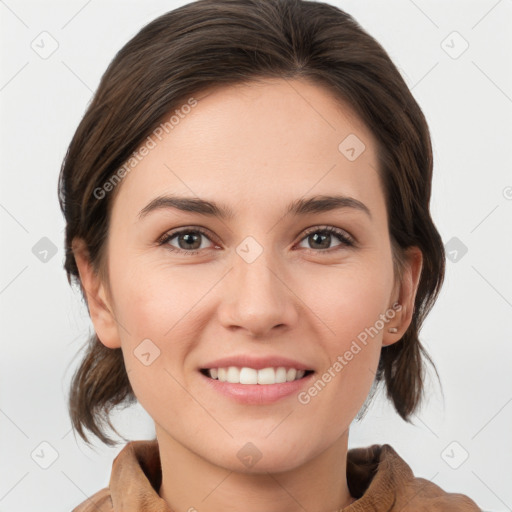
263, 376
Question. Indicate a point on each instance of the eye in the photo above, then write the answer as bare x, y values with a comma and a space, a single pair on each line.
189, 241
320, 238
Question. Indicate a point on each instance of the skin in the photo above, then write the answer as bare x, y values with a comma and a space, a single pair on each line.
254, 148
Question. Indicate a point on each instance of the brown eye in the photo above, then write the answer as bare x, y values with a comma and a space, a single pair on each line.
187, 241
321, 238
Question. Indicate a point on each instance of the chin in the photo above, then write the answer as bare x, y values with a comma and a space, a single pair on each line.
262, 455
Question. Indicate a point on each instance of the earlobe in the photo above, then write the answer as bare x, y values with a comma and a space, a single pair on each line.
100, 310
395, 330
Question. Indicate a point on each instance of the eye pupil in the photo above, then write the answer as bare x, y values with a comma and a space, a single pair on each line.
189, 239
323, 238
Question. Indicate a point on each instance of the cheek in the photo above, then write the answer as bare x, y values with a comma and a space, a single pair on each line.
157, 314
349, 302
154, 301
348, 299
161, 318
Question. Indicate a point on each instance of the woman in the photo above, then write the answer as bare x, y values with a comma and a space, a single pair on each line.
247, 214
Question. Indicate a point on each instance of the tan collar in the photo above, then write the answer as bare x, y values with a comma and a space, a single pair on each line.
377, 477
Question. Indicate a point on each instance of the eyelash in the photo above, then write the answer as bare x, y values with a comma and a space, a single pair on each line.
345, 239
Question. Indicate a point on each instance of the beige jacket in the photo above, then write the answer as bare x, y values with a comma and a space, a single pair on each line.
377, 476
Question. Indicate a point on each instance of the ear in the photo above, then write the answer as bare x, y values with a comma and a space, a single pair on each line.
100, 309
405, 297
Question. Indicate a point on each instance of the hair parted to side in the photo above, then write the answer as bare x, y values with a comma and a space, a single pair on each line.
212, 43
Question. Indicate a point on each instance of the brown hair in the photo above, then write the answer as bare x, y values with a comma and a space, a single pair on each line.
211, 43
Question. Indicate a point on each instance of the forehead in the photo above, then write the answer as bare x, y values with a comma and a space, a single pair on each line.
275, 139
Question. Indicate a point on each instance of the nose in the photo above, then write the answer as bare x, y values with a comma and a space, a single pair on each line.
257, 297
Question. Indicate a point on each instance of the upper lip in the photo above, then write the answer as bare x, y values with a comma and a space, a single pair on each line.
258, 363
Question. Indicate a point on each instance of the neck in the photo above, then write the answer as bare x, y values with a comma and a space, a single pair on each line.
191, 483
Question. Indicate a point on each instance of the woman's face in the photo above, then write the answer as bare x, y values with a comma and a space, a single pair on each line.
264, 281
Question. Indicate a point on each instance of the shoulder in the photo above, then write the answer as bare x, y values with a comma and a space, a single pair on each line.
382, 480
419, 494
424, 495
99, 502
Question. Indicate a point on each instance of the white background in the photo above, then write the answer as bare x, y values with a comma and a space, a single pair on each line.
468, 105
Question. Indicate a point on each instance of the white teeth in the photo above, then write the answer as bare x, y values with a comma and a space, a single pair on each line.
291, 374
280, 375
267, 376
246, 375
233, 375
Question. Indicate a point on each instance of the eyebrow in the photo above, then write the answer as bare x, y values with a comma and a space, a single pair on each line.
303, 206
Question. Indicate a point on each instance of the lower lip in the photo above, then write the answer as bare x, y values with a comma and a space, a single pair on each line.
257, 394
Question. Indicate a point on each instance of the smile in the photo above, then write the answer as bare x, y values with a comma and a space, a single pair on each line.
246, 375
